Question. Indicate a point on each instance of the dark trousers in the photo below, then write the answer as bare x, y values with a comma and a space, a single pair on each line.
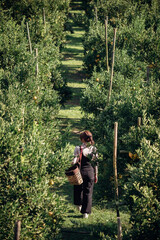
83, 193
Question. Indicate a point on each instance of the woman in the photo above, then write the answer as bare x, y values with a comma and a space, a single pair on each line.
83, 193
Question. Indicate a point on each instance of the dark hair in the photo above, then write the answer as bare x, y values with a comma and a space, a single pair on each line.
87, 136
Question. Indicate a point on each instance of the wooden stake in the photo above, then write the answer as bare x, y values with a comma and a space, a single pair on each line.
148, 74
29, 40
23, 117
36, 61
106, 36
44, 19
96, 14
139, 121
115, 159
113, 54
116, 179
17, 230
119, 228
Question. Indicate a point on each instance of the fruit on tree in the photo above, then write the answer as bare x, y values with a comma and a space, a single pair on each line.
35, 98
51, 182
50, 214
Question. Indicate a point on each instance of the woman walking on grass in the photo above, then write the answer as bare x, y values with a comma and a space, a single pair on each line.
83, 193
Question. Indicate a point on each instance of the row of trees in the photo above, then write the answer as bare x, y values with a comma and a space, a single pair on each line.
135, 93
32, 148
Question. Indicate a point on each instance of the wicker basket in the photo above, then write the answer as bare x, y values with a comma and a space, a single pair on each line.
74, 175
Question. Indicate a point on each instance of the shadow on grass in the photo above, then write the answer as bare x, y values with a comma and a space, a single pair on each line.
75, 77
75, 26
76, 7
78, 228
77, 216
73, 73
71, 58
70, 50
71, 68
76, 95
89, 231
75, 39
72, 121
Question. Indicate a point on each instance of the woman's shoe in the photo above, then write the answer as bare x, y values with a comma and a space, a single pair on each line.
85, 215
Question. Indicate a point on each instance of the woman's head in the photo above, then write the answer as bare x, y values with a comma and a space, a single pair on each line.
86, 136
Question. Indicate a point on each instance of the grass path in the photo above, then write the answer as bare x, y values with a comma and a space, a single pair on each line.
72, 64
102, 221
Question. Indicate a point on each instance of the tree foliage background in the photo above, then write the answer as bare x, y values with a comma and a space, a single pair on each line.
33, 151
134, 95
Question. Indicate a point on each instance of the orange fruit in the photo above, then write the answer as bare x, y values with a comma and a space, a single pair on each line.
51, 182
35, 98
50, 214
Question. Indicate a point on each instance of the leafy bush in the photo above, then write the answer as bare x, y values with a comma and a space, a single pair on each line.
137, 33
19, 64
132, 97
144, 188
139, 41
32, 149
94, 47
25, 191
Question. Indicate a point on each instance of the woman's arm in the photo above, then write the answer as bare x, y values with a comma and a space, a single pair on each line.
96, 173
76, 155
94, 159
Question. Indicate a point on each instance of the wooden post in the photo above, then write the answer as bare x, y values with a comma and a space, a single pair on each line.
139, 121
113, 54
106, 36
116, 179
115, 159
148, 74
29, 40
23, 117
17, 230
44, 19
96, 14
36, 61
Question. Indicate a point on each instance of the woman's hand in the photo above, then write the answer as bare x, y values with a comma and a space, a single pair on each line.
95, 178
96, 174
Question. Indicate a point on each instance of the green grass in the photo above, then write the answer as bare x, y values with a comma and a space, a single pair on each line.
71, 113
100, 223
103, 221
76, 85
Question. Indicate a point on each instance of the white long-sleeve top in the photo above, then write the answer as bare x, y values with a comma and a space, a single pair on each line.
87, 151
